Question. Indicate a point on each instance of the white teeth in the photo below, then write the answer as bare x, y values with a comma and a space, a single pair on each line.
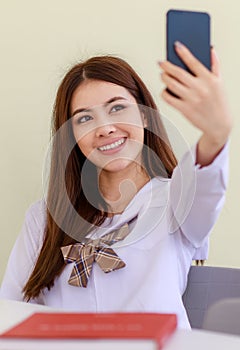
112, 145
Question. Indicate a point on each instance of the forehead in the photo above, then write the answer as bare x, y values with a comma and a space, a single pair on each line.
96, 92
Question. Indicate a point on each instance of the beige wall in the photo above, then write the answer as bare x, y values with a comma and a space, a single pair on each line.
40, 40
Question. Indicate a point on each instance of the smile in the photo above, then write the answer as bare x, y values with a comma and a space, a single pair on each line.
112, 145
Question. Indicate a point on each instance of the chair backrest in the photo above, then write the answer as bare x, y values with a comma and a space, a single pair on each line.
207, 285
223, 316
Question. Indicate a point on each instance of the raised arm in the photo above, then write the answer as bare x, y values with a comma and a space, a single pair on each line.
201, 99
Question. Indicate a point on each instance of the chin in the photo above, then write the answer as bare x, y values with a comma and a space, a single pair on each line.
117, 165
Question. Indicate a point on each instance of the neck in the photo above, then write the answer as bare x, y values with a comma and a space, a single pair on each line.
119, 188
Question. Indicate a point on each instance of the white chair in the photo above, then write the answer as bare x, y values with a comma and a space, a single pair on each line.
206, 286
223, 316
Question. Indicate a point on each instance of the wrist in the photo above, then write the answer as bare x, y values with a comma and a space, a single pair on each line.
208, 149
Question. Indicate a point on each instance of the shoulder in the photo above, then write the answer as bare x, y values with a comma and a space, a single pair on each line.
25, 252
36, 212
34, 224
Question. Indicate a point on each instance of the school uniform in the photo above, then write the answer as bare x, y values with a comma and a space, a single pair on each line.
174, 219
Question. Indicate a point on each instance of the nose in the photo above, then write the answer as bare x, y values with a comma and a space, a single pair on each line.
105, 130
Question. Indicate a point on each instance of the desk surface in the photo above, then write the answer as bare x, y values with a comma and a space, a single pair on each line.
12, 312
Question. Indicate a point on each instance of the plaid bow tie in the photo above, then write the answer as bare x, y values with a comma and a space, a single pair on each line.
84, 254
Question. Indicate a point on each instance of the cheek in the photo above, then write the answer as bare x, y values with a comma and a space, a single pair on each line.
137, 133
84, 144
84, 139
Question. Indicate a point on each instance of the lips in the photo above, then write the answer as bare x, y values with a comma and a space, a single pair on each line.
113, 145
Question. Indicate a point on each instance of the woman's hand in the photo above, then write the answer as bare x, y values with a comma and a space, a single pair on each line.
201, 100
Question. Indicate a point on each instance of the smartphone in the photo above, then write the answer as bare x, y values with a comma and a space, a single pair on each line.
193, 30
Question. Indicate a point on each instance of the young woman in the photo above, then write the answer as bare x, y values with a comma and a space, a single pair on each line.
122, 221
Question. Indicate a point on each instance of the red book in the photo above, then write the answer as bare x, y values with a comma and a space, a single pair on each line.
140, 326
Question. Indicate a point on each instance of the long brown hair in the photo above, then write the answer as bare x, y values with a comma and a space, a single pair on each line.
66, 166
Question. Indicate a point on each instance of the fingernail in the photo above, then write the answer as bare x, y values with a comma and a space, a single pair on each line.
178, 44
160, 63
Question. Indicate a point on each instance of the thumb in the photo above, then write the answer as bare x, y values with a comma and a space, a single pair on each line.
215, 64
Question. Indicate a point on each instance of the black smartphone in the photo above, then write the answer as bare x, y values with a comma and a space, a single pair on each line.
193, 30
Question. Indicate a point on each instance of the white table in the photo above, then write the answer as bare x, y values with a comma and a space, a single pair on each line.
12, 312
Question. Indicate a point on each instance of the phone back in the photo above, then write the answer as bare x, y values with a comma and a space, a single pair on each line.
193, 30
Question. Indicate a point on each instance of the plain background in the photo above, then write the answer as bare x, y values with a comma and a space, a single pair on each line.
41, 40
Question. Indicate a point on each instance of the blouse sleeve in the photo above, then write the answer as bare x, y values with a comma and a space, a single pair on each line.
23, 255
197, 195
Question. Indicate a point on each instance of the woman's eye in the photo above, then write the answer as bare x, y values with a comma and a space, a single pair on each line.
117, 108
83, 119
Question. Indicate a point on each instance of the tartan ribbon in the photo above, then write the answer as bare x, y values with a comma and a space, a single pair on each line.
85, 254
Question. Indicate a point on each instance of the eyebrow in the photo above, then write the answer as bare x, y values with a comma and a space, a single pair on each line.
113, 99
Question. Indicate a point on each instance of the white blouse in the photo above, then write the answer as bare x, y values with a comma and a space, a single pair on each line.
175, 217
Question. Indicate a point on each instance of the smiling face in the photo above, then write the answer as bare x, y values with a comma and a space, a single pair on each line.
107, 125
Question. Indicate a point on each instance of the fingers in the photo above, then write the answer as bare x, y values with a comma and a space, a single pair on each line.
195, 66
182, 83
177, 73
171, 100
175, 86
199, 96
